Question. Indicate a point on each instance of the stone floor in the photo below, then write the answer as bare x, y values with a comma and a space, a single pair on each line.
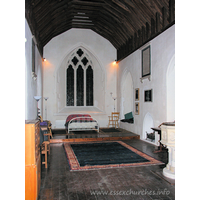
61, 134
58, 182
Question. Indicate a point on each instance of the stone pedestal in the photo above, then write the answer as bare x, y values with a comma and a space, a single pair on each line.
168, 139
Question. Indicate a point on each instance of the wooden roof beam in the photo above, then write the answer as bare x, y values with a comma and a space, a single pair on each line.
118, 27
122, 5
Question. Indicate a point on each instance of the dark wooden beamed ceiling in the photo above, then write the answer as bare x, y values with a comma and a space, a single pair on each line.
119, 21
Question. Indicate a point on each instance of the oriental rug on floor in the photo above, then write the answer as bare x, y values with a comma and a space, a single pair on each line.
102, 155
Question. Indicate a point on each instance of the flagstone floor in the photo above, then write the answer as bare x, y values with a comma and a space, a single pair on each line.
59, 183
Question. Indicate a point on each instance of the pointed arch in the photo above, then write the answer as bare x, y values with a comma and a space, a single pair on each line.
90, 52
148, 123
126, 93
94, 76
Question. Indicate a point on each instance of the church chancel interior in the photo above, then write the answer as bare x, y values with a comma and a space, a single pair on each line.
99, 99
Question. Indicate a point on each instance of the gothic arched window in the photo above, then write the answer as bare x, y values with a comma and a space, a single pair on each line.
79, 86
79, 80
70, 86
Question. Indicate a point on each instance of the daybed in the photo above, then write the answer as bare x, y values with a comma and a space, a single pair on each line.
81, 122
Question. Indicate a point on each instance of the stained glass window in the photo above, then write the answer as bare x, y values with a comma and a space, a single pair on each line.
80, 86
75, 60
84, 61
70, 86
79, 80
89, 86
80, 52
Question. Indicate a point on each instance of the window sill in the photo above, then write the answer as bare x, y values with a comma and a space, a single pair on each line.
92, 110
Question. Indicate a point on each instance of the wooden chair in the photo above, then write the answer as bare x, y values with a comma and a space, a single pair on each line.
44, 149
48, 134
114, 119
48, 126
45, 146
48, 146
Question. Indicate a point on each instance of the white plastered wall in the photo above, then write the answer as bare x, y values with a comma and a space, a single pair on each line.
32, 87
162, 54
102, 53
170, 78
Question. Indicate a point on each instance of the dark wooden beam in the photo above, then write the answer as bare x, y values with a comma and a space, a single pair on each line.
136, 44
158, 22
122, 5
158, 5
130, 44
147, 31
121, 29
153, 27
143, 34
87, 3
164, 17
112, 30
126, 24
116, 11
171, 10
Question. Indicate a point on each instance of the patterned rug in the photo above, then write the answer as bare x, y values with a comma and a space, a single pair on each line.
102, 155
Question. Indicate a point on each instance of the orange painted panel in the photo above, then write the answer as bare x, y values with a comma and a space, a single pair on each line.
32, 160
30, 182
29, 144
